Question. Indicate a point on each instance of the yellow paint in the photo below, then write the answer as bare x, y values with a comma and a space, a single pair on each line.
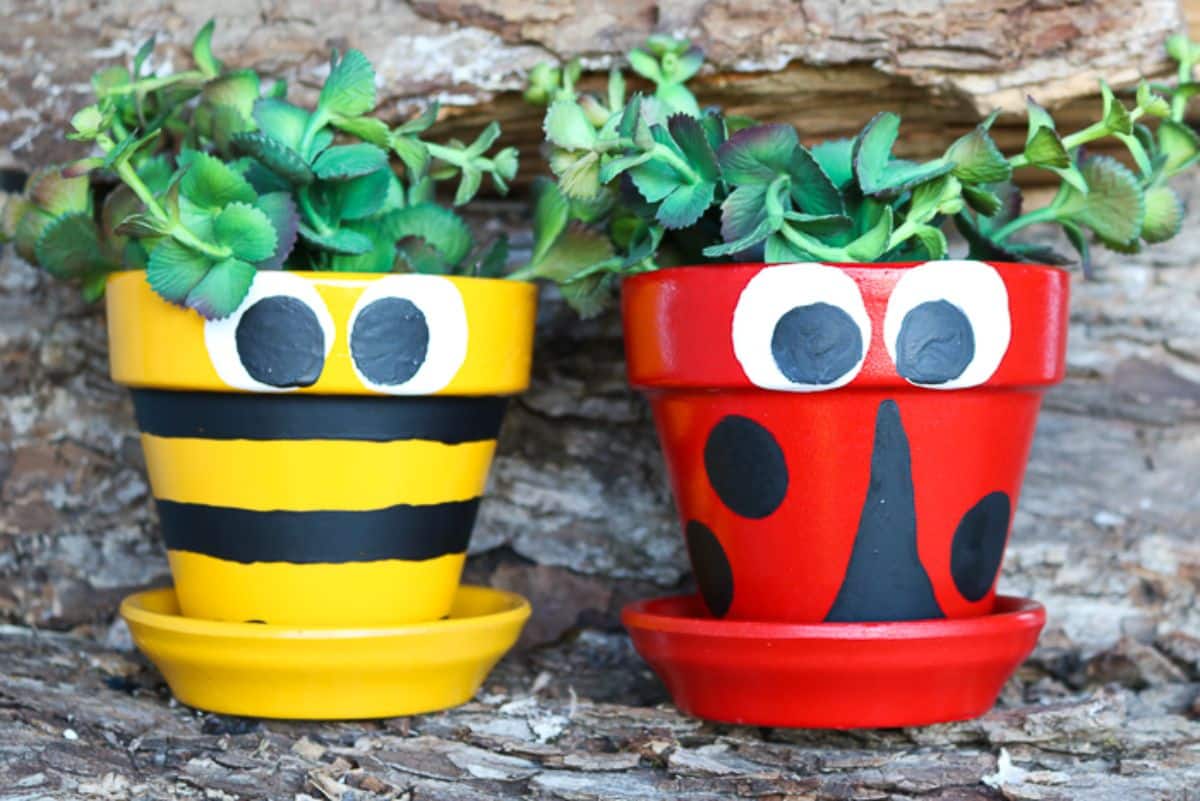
153, 343
384, 592
307, 475
279, 672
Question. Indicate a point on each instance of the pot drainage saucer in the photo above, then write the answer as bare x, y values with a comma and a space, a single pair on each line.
271, 671
832, 675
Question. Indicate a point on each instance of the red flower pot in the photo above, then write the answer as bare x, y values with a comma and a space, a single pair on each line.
846, 442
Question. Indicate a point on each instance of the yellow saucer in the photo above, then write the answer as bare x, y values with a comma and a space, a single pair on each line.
268, 671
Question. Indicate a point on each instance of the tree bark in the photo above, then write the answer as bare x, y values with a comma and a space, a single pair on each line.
578, 515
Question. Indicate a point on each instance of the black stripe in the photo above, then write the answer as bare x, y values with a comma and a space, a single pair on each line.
242, 535
235, 415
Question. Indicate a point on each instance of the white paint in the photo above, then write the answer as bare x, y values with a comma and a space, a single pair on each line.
446, 317
220, 336
774, 292
977, 290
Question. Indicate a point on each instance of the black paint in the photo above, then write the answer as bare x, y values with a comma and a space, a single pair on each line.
714, 576
936, 343
237, 415
389, 341
885, 579
978, 545
244, 535
816, 344
280, 342
745, 467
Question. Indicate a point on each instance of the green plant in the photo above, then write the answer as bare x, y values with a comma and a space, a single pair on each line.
651, 179
205, 176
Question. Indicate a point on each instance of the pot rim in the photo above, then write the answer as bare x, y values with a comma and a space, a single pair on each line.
866, 266
334, 276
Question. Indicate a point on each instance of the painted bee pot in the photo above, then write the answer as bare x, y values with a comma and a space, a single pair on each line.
846, 443
318, 457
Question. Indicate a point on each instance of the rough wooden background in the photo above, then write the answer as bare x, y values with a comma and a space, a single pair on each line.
578, 515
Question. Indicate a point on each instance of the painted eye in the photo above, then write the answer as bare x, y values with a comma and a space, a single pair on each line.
408, 334
277, 340
801, 328
947, 324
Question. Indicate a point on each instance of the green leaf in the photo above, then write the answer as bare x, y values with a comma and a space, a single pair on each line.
141, 226
655, 179
550, 214
779, 249
367, 129
360, 197
55, 194
589, 296
645, 65
578, 173
349, 90
754, 237
143, 53
812, 190
933, 240
685, 205
237, 90
412, 152
128, 147
87, 122
422, 122
174, 270
343, 162
494, 259
743, 213
758, 155
381, 258
211, 184
567, 126
1164, 215
1150, 103
940, 196
202, 53
872, 244
246, 231
69, 246
836, 158
468, 184
1116, 116
576, 250
282, 121
693, 144
275, 156
340, 240
977, 160
873, 150
485, 139
280, 209
440, 228
982, 200
1114, 206
1045, 149
1179, 143
1078, 240
222, 289
677, 99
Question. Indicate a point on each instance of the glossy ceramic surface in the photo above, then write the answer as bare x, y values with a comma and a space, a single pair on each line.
833, 675
319, 457
846, 443
319, 673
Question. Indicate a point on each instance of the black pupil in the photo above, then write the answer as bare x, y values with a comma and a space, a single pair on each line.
936, 343
389, 341
280, 342
816, 344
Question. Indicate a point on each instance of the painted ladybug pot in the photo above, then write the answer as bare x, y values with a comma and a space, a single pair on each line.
846, 444
317, 458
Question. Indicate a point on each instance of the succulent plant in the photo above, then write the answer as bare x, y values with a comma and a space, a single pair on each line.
218, 176
651, 179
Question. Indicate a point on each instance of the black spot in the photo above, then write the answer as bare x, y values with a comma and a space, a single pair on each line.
389, 341
885, 579
816, 344
280, 342
745, 467
713, 573
978, 545
936, 343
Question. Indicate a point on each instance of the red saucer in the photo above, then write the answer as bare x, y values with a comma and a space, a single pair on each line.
833, 675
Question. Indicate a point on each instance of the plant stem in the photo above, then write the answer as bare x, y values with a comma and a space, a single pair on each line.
150, 84
1097, 130
129, 175
813, 246
310, 212
1044, 214
679, 165
185, 237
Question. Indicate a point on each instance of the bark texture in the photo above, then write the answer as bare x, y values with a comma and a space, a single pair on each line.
578, 515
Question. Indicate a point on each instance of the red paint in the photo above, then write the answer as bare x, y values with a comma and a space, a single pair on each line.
833, 675
965, 443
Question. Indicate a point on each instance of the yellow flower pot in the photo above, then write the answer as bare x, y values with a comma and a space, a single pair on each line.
318, 457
